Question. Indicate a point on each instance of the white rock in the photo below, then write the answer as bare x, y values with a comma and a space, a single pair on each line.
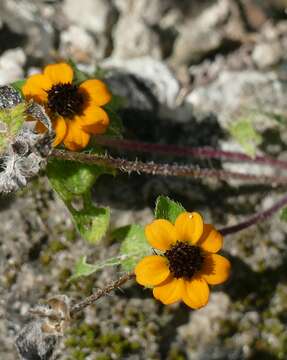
78, 44
133, 38
207, 320
149, 11
201, 34
93, 15
11, 66
165, 85
233, 92
267, 54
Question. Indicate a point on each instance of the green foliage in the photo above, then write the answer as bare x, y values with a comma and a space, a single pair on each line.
17, 85
73, 182
245, 134
92, 222
133, 248
168, 209
115, 128
82, 268
283, 215
79, 75
134, 245
11, 122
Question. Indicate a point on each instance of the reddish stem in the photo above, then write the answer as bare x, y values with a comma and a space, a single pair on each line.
198, 152
255, 218
165, 169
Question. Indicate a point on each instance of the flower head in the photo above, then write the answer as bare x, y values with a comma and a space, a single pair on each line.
187, 262
75, 110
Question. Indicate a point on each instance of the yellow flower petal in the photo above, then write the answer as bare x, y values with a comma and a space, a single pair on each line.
216, 269
189, 227
59, 73
152, 270
97, 90
196, 293
36, 87
94, 120
76, 138
211, 240
160, 234
60, 129
170, 291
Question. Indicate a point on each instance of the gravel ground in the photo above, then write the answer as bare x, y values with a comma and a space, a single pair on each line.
188, 69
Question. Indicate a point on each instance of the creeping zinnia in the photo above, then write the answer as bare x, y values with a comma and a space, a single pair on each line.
75, 110
187, 261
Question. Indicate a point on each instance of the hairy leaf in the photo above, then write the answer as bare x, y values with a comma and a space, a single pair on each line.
168, 209
73, 182
11, 122
134, 245
245, 134
82, 268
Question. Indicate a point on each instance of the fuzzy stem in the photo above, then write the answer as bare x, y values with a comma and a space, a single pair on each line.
197, 152
101, 292
255, 218
165, 169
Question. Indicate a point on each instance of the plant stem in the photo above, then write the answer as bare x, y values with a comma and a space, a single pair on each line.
197, 152
101, 292
165, 169
255, 218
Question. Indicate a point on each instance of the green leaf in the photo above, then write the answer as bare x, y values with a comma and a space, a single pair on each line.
92, 222
283, 215
133, 248
70, 178
134, 245
17, 85
245, 134
82, 268
79, 75
11, 122
73, 182
168, 209
115, 128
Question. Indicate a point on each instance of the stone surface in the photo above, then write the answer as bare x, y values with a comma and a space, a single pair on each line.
234, 93
162, 82
11, 66
266, 55
187, 69
79, 45
203, 34
93, 15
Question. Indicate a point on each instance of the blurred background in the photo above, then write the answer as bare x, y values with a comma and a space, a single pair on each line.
189, 70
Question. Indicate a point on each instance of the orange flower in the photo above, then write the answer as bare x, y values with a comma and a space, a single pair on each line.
188, 261
75, 110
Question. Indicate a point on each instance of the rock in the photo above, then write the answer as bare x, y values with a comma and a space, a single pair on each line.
205, 321
79, 45
149, 11
134, 38
203, 34
266, 55
34, 21
163, 83
96, 16
232, 92
11, 66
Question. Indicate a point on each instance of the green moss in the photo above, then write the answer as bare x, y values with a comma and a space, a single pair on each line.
86, 339
176, 354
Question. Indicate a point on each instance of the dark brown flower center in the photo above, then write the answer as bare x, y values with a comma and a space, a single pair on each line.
65, 100
184, 260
